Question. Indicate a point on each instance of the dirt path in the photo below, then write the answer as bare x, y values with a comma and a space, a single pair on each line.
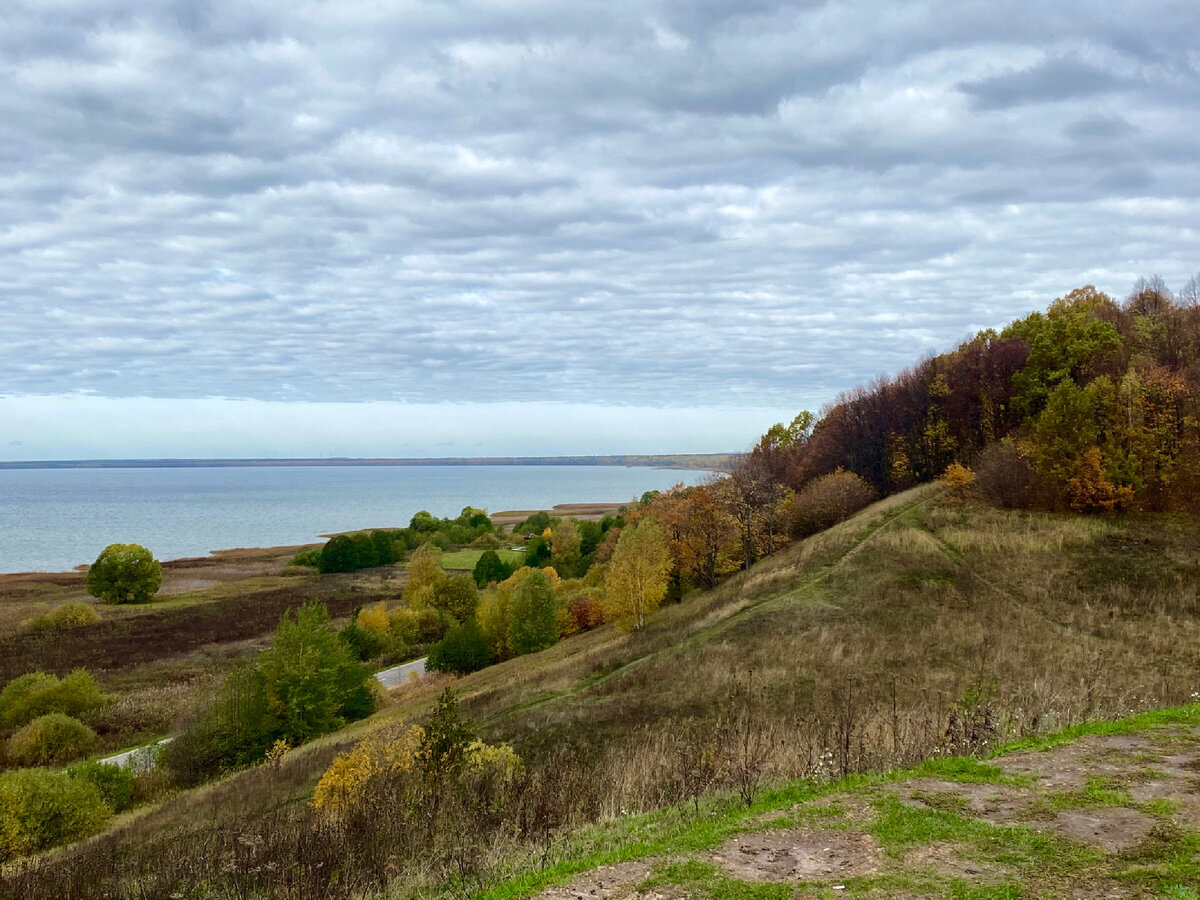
1114, 815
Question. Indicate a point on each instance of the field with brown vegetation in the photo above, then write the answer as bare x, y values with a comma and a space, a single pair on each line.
165, 657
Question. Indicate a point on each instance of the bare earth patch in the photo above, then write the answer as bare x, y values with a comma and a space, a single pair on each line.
1113, 828
948, 859
1069, 767
996, 803
616, 882
799, 854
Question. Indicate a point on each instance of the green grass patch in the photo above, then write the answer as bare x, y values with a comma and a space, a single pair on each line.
1168, 858
466, 559
966, 770
1155, 718
1098, 792
898, 827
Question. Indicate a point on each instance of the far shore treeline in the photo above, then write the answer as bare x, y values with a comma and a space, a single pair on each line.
719, 462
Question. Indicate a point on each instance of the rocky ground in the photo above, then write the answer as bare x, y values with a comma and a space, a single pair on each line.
1113, 815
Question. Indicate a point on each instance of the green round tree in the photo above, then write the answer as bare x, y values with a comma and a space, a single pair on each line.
124, 573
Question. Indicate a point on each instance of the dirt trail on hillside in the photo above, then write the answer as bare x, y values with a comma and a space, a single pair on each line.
1103, 816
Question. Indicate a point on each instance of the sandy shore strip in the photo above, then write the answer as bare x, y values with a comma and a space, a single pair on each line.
590, 512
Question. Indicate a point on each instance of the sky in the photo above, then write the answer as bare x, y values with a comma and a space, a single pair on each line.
515, 227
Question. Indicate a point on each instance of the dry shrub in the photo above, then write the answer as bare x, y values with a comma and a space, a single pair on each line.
37, 693
151, 711
957, 480
828, 500
1004, 476
52, 739
41, 809
1091, 492
374, 618
67, 615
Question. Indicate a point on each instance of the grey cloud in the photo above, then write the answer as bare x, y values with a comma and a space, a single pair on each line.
439, 202
1049, 81
1102, 128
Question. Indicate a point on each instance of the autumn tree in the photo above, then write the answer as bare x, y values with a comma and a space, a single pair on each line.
636, 580
1072, 342
457, 597
312, 684
565, 542
425, 574
701, 536
742, 496
532, 615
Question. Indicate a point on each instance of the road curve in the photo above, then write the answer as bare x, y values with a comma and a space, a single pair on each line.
141, 758
398, 675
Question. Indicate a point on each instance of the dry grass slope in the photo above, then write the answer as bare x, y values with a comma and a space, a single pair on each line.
916, 629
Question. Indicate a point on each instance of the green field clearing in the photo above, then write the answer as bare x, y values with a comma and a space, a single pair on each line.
466, 559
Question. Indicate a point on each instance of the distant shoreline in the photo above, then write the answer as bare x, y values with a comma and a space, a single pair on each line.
721, 462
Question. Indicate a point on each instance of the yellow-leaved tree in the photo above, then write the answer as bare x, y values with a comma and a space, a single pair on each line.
636, 580
425, 574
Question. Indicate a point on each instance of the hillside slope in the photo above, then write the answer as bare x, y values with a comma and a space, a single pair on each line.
917, 628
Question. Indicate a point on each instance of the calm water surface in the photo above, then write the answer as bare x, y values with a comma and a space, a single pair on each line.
54, 519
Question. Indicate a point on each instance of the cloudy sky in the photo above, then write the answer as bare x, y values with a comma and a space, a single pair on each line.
520, 226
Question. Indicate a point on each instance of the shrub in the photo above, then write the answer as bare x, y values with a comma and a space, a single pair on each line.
52, 739
366, 556
1004, 476
1092, 492
486, 541
828, 500
457, 597
373, 618
533, 615
388, 751
385, 547
310, 556
490, 568
363, 642
339, 555
463, 650
68, 615
431, 625
585, 609
425, 765
40, 809
404, 625
37, 693
957, 479
115, 783
124, 573
232, 731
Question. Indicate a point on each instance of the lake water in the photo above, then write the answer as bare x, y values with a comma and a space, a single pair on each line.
54, 519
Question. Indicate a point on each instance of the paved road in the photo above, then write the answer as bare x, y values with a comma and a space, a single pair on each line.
400, 674
141, 758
